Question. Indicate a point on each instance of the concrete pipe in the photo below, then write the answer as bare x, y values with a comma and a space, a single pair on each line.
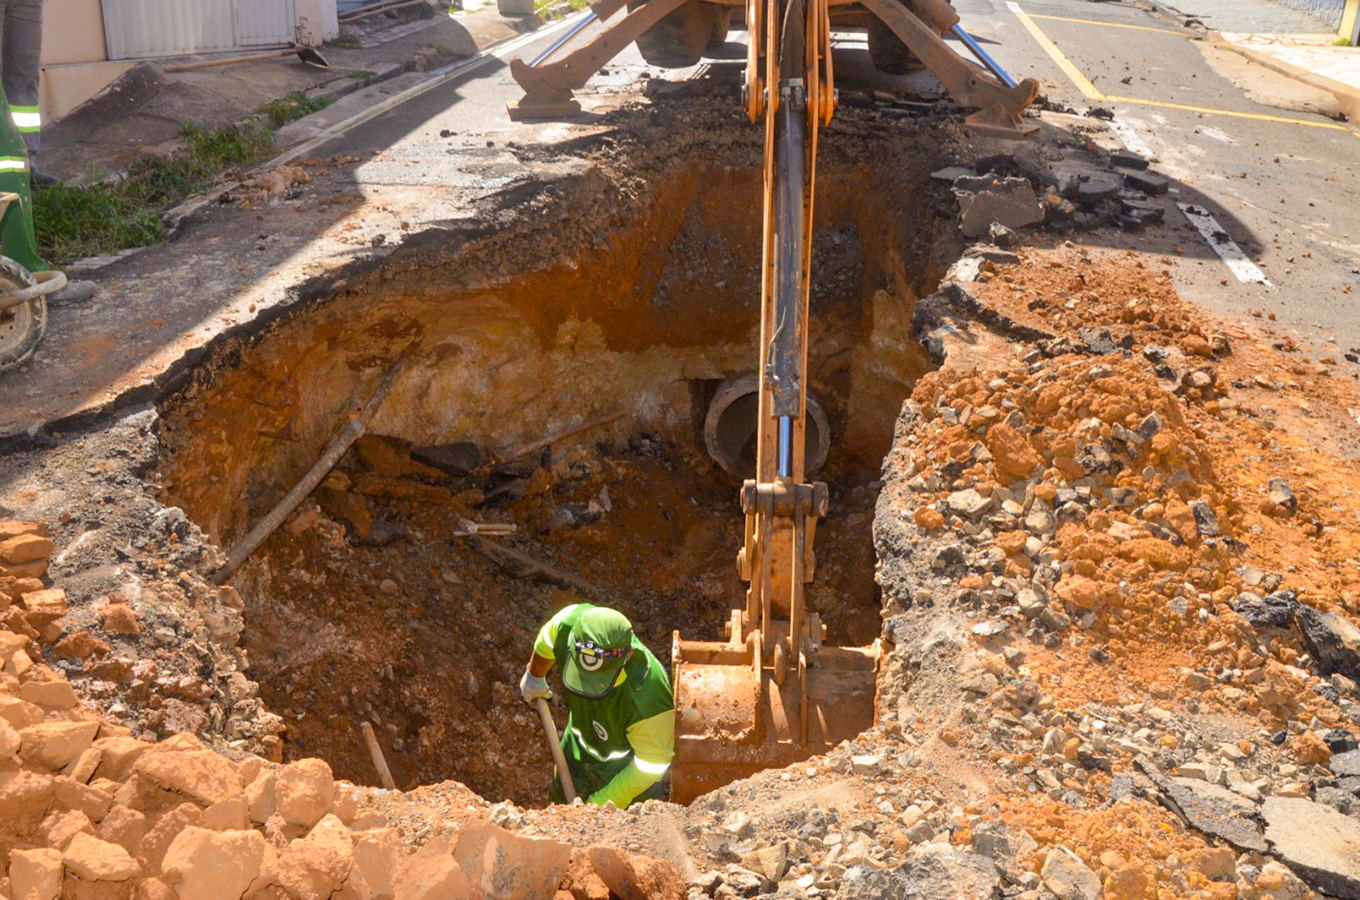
730, 428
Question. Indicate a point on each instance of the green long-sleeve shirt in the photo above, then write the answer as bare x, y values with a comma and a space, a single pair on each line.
626, 740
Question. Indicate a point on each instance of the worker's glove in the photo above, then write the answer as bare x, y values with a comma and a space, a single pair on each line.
532, 686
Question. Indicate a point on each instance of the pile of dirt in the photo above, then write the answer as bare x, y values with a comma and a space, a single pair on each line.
88, 811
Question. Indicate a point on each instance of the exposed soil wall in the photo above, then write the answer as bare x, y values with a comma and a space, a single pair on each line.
631, 290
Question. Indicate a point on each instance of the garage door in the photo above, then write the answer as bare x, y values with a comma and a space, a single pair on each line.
134, 29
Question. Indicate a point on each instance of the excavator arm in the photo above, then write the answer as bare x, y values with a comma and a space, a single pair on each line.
773, 692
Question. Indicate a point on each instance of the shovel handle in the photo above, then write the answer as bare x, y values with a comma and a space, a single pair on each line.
550, 732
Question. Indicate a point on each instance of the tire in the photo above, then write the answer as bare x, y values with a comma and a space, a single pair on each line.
722, 23
888, 53
679, 39
21, 328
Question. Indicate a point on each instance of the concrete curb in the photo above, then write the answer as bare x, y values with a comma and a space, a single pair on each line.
1346, 95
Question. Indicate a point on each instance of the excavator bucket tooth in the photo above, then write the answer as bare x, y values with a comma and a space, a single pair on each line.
732, 722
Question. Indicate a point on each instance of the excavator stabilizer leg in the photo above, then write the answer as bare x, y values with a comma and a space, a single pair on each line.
548, 87
998, 106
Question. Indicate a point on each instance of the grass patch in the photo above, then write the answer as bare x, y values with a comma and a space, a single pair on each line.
280, 112
345, 42
1341, 42
548, 10
111, 216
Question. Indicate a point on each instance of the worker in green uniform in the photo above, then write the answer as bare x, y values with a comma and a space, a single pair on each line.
620, 734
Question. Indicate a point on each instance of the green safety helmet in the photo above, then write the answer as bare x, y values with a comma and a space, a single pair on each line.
601, 643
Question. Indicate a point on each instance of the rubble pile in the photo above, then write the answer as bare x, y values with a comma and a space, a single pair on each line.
89, 812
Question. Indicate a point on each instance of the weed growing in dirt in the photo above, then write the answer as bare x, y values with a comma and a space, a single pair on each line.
1341, 42
549, 10
107, 216
292, 107
345, 42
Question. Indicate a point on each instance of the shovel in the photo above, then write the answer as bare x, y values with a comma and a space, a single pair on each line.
305, 54
550, 732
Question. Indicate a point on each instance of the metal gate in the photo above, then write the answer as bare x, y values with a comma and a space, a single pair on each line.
1329, 11
134, 29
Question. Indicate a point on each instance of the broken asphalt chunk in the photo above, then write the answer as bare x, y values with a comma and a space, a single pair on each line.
1209, 808
1320, 844
1147, 182
1332, 639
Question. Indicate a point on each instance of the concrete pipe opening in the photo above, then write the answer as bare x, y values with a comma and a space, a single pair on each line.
730, 428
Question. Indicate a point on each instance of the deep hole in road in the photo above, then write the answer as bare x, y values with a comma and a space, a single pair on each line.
369, 605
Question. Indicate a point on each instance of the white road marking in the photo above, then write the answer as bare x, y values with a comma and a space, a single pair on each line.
1224, 246
1131, 138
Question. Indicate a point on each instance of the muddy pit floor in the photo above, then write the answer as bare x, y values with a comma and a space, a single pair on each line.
424, 632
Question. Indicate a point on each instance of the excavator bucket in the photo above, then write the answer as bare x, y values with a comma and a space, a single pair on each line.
734, 718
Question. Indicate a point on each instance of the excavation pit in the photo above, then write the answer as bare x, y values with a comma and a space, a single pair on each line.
623, 299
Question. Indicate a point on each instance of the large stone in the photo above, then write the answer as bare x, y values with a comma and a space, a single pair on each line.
1068, 877
19, 713
9, 740
202, 776
1273, 611
261, 797
1011, 451
213, 865
304, 792
35, 874
1332, 639
772, 862
91, 859
503, 865
24, 802
1346, 765
25, 548
987, 199
968, 503
117, 756
1317, 842
49, 693
125, 827
168, 827
629, 876
54, 745
377, 853
313, 869
431, 874
45, 606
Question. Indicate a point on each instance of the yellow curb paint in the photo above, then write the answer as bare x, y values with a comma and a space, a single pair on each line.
1179, 34
1091, 92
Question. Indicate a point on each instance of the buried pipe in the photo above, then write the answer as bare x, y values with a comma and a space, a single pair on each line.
731, 423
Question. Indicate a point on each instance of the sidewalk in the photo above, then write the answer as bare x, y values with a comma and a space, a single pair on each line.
141, 114
1310, 58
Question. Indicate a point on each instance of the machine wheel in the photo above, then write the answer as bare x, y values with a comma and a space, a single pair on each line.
888, 52
679, 39
722, 22
23, 327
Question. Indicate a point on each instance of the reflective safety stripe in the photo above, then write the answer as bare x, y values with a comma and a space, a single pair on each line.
651, 768
12, 163
585, 745
26, 118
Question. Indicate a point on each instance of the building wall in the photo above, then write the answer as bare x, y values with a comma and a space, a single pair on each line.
75, 57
